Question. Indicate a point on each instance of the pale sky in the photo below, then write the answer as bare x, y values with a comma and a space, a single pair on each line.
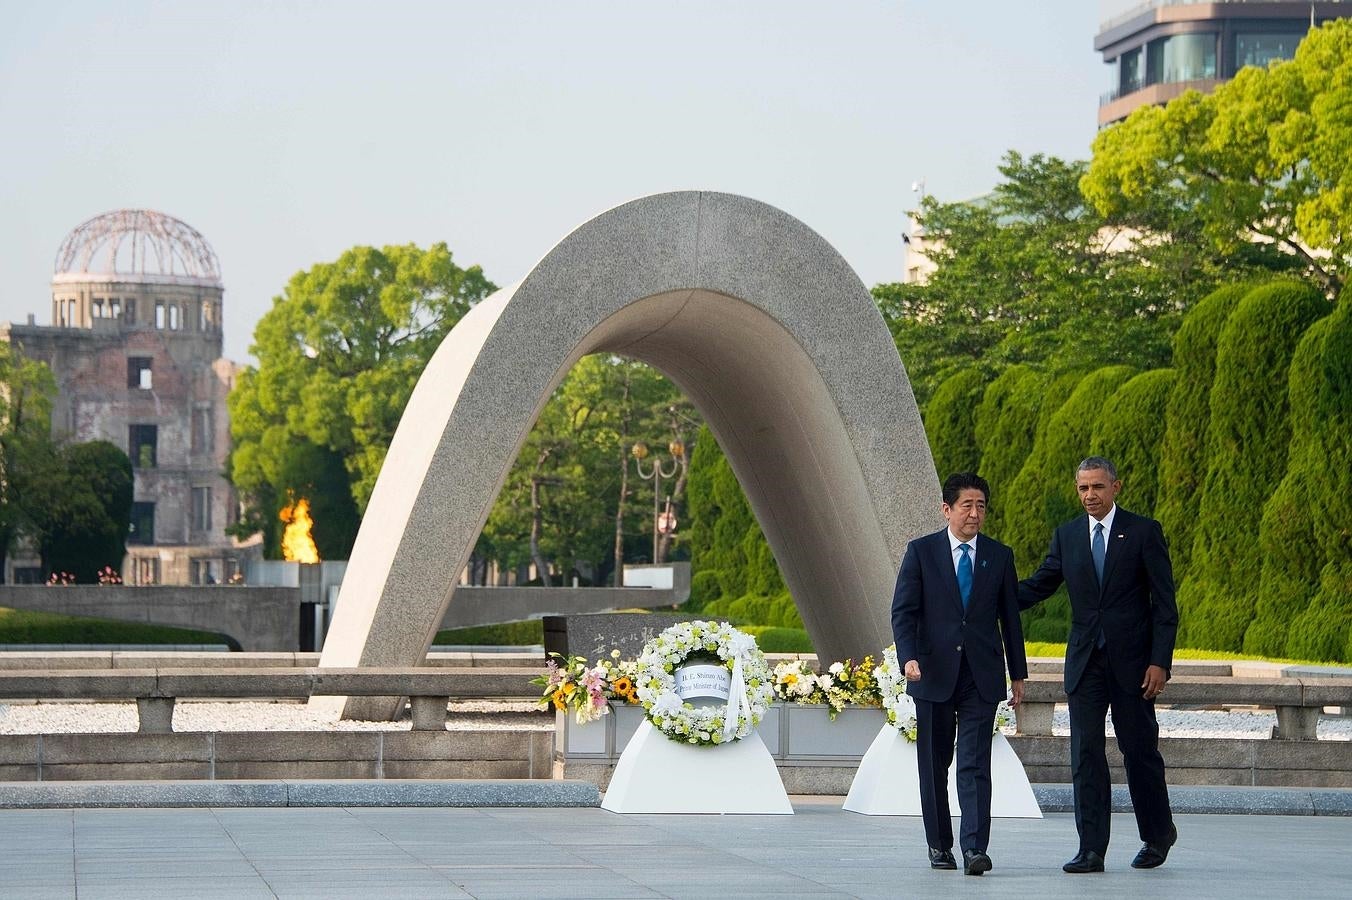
287, 132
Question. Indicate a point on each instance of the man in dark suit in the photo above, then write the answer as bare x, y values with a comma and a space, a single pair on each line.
1115, 566
955, 601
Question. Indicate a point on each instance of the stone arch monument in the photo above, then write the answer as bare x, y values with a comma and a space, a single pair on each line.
769, 333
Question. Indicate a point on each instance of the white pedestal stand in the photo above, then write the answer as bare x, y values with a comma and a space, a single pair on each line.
887, 783
657, 775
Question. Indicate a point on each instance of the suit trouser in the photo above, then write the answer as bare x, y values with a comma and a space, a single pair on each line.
968, 719
1137, 737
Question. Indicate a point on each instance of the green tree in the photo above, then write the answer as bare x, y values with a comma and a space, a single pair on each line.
1305, 592
338, 355
1006, 424
572, 488
1130, 431
1183, 459
1258, 167
950, 422
734, 574
1289, 536
27, 389
80, 509
1043, 494
1247, 443
1034, 274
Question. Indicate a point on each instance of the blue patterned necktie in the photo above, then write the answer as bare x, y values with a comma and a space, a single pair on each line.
1100, 551
965, 574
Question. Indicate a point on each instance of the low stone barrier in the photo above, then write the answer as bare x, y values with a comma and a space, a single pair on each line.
1297, 701
156, 690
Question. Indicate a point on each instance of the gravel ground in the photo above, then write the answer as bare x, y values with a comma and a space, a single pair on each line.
89, 718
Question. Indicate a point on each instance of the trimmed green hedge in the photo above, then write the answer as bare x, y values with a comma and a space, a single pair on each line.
18, 626
950, 422
730, 557
1323, 630
1288, 537
1247, 443
1006, 422
1182, 466
1129, 434
1043, 495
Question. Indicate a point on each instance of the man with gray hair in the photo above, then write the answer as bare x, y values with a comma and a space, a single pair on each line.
1123, 622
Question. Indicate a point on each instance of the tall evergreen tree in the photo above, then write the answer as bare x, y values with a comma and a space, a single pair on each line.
1182, 465
1247, 443
1130, 431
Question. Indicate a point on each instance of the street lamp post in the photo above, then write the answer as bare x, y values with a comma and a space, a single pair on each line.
663, 522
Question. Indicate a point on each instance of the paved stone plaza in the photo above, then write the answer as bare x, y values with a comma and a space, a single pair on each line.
821, 851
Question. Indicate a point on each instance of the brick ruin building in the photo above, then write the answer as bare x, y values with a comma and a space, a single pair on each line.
135, 346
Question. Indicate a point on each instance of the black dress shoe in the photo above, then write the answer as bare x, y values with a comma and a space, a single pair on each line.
942, 859
1084, 861
1154, 855
974, 862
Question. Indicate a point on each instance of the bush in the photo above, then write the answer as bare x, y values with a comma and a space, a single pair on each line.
1043, 495
506, 634
1323, 630
758, 609
1006, 421
1288, 539
779, 640
1182, 465
1246, 452
1129, 434
729, 556
950, 422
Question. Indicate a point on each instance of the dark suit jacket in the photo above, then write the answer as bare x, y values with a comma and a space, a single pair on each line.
1134, 608
929, 625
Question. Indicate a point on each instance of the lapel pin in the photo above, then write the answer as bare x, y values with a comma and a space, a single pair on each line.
983, 564
1120, 536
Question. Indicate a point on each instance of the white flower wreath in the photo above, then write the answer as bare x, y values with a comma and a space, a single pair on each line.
901, 708
703, 725
892, 685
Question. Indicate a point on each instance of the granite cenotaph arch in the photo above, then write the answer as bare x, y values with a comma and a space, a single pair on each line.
761, 324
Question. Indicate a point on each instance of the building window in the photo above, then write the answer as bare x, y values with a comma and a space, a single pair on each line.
1259, 49
1131, 73
131, 311
159, 315
115, 308
173, 317
201, 509
142, 530
141, 445
201, 430
138, 372
1181, 57
147, 570
98, 307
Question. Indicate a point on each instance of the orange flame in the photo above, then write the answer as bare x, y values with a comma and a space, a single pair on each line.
297, 545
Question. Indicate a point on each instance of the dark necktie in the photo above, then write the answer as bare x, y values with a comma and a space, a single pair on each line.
965, 574
1100, 550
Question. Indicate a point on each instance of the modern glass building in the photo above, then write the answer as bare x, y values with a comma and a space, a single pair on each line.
1157, 49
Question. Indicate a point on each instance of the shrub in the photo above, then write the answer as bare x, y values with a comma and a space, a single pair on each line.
1291, 554
1323, 630
1043, 495
1183, 451
1006, 421
1129, 434
950, 422
1246, 452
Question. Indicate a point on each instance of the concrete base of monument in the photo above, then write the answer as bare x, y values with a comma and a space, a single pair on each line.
657, 775
887, 784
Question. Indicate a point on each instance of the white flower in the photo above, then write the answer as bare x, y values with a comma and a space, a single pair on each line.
836, 668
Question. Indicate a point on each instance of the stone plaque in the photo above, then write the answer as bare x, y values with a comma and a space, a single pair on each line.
594, 636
